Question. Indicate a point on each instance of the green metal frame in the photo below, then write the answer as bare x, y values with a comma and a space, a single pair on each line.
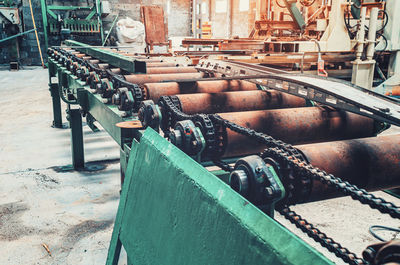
107, 115
16, 35
173, 211
96, 10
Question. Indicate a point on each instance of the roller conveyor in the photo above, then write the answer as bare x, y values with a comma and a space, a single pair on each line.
370, 163
191, 112
208, 103
291, 125
155, 90
155, 78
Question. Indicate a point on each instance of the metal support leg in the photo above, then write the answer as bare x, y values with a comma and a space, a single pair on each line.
123, 162
124, 156
57, 117
75, 122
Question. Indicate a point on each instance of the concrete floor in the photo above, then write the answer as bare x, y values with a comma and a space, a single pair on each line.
73, 212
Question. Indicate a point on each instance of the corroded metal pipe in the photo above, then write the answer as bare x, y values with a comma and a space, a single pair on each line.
151, 60
149, 78
95, 61
103, 65
371, 163
171, 70
155, 90
296, 126
160, 64
237, 101
116, 70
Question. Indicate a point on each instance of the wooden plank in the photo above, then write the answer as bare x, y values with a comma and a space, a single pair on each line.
153, 19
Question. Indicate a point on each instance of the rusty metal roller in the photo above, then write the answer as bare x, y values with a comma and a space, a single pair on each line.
154, 91
160, 64
155, 78
296, 126
237, 101
171, 70
371, 163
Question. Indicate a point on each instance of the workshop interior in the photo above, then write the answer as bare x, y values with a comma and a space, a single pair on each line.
203, 132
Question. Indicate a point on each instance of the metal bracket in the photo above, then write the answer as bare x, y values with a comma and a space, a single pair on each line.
258, 182
188, 138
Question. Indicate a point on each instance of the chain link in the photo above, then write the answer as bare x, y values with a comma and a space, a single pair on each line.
285, 151
321, 238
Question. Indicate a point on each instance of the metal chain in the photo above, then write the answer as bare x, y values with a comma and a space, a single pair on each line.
321, 238
285, 151
221, 164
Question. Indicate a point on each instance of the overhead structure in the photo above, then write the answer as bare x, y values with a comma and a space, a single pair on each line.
339, 38
70, 20
279, 138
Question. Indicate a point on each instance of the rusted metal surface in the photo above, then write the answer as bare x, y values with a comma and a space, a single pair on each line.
171, 70
371, 163
116, 70
135, 124
160, 64
153, 18
151, 60
296, 126
94, 61
149, 78
103, 65
237, 101
154, 91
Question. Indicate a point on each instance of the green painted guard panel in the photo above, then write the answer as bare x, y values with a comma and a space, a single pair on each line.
173, 211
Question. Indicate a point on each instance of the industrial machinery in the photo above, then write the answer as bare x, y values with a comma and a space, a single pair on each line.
279, 139
347, 39
10, 28
74, 20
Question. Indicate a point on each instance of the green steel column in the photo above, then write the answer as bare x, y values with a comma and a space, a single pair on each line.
55, 95
43, 5
99, 10
75, 122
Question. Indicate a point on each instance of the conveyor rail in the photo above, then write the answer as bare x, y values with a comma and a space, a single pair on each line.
332, 92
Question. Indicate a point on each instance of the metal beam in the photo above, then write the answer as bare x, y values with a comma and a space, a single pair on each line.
16, 35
